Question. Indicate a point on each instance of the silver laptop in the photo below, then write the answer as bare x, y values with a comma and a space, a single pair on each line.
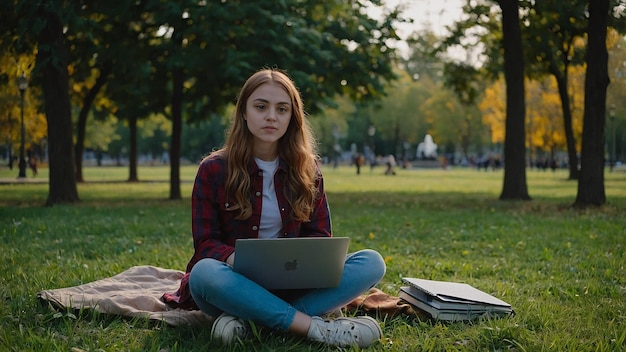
292, 263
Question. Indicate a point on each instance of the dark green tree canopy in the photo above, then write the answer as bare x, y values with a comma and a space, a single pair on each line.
329, 48
187, 59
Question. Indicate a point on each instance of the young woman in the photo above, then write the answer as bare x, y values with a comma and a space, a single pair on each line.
265, 182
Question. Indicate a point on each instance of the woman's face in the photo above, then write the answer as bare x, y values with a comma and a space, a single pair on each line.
268, 112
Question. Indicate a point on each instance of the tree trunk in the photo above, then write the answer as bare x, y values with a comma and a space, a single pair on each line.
177, 130
132, 154
82, 118
561, 80
52, 61
591, 181
514, 186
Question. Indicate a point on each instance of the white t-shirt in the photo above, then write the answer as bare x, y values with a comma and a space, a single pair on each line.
271, 222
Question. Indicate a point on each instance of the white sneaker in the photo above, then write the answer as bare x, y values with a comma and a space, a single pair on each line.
360, 331
229, 329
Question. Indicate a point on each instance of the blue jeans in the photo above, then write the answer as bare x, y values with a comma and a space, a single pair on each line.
216, 288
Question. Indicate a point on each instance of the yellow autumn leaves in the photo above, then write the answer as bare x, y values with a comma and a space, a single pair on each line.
544, 116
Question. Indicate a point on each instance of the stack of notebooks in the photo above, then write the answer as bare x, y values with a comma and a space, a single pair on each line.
452, 301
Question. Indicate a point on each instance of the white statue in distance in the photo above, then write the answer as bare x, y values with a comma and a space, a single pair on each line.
427, 149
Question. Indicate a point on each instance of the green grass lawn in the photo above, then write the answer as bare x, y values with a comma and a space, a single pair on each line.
563, 270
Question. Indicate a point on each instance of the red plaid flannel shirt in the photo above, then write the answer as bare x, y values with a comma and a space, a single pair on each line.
215, 229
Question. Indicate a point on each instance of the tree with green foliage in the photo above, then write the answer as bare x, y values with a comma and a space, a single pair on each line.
202, 53
328, 49
99, 39
187, 59
44, 25
111, 42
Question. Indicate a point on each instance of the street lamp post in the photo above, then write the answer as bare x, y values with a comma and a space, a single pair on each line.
22, 83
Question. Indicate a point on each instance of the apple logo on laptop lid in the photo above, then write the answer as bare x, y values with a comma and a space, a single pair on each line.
291, 265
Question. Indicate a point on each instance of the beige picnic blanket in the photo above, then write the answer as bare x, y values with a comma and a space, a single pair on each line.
137, 292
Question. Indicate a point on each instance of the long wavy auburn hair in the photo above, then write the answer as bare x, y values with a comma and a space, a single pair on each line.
297, 147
